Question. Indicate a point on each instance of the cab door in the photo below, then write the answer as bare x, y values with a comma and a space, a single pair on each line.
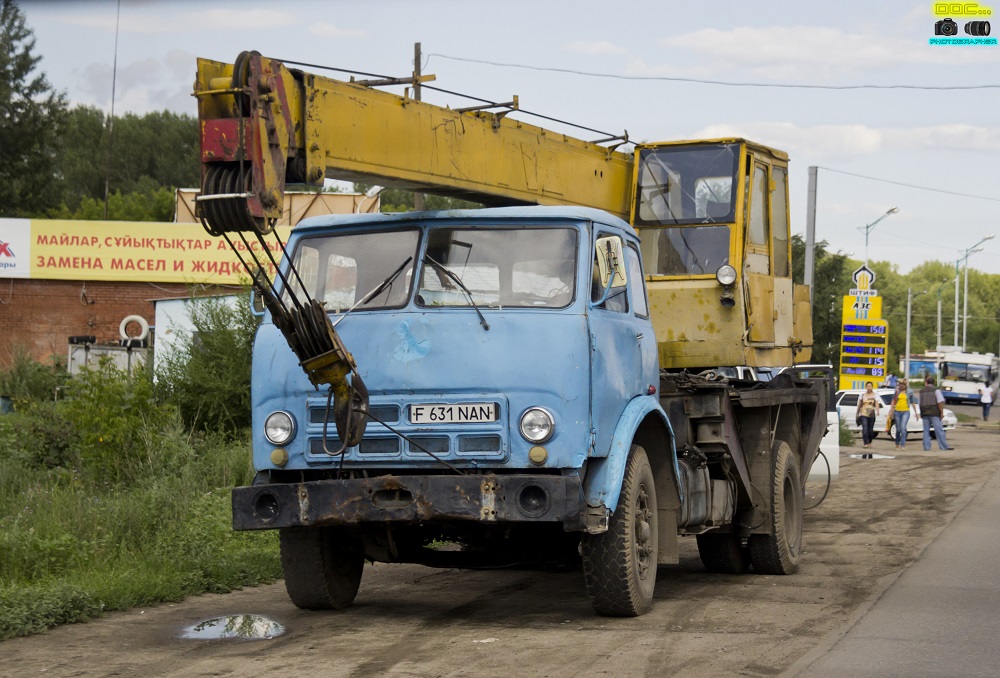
616, 362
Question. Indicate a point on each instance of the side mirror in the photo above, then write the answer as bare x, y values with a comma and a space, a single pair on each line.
257, 303
611, 262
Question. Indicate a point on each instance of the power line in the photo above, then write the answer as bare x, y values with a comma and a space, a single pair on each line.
700, 81
922, 188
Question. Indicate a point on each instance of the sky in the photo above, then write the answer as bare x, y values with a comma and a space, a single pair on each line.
649, 54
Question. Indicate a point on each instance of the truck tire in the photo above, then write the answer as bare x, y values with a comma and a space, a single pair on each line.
619, 566
322, 568
778, 552
723, 553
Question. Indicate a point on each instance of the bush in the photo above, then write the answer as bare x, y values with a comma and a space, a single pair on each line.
124, 433
34, 609
27, 380
207, 374
845, 434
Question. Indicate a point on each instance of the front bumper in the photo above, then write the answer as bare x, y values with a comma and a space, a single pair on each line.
485, 498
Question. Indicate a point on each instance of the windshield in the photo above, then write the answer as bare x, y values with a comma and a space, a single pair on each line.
691, 250
340, 270
687, 184
534, 267
964, 372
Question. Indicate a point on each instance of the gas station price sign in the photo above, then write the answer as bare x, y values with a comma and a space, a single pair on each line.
863, 352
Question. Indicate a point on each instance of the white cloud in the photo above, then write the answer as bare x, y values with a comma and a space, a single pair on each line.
181, 22
598, 48
854, 140
813, 52
328, 30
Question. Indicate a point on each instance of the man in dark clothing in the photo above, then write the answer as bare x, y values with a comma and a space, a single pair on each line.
931, 410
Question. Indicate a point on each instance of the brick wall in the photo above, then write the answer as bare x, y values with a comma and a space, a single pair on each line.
41, 315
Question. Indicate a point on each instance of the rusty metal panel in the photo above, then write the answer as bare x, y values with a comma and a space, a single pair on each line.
760, 307
484, 498
693, 328
803, 327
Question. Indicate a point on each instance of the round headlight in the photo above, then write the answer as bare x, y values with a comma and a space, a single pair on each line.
726, 275
537, 425
279, 428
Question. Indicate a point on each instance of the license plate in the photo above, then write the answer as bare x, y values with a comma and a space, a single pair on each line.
459, 413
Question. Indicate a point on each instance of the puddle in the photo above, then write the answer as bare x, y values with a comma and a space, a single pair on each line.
244, 626
869, 455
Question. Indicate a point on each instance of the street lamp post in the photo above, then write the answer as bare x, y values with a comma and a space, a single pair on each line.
909, 308
965, 305
939, 290
868, 229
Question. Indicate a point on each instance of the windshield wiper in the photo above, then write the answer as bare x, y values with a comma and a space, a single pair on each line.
378, 290
454, 276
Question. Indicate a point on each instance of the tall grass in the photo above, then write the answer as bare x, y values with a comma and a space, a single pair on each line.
107, 502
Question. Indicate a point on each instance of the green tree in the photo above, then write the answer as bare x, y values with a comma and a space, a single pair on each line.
153, 154
32, 116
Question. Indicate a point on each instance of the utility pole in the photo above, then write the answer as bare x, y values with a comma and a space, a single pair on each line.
418, 198
810, 262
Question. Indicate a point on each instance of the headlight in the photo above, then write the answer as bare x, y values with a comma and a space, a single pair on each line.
279, 428
537, 425
726, 275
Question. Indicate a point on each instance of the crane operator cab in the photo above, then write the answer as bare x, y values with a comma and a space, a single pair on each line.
712, 217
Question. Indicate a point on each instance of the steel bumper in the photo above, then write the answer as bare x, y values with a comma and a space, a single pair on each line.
483, 498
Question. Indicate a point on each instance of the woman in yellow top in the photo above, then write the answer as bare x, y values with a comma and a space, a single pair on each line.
901, 404
869, 405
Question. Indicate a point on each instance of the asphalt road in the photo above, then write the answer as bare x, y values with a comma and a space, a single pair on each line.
879, 518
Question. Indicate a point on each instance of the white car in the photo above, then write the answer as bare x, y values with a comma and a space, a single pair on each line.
847, 407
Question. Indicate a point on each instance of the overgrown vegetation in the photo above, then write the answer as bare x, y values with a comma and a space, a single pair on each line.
108, 501
207, 374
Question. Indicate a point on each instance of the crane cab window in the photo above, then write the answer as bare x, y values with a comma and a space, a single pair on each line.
779, 221
683, 251
758, 231
686, 184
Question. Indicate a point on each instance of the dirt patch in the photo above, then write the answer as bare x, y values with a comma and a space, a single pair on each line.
415, 621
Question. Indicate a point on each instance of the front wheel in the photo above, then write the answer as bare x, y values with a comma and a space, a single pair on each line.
619, 566
778, 551
322, 567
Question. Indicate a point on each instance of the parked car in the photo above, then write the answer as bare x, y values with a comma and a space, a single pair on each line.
847, 407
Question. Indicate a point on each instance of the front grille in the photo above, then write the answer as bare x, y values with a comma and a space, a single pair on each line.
437, 445
387, 413
479, 444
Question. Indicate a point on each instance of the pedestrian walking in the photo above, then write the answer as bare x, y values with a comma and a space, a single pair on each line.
986, 400
869, 405
932, 409
901, 404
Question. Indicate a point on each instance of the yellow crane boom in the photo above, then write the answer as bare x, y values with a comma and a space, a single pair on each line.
712, 215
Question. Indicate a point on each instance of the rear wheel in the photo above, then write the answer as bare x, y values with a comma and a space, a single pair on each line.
723, 553
322, 567
778, 552
619, 566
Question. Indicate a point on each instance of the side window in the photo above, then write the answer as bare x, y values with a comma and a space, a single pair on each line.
758, 259
636, 282
758, 207
779, 222
850, 400
604, 269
